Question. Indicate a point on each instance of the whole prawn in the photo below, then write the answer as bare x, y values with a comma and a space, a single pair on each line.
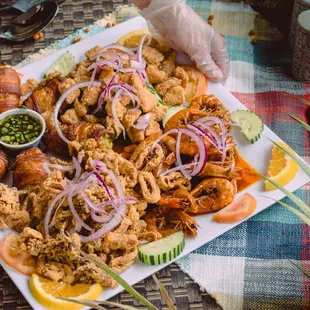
213, 194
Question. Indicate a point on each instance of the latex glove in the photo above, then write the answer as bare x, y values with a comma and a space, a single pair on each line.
176, 24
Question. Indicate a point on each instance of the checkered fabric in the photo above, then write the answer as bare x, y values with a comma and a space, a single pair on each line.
248, 267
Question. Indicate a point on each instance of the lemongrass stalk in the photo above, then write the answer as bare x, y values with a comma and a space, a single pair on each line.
96, 304
305, 167
114, 304
302, 123
301, 215
304, 271
164, 293
300, 99
294, 198
119, 280
86, 303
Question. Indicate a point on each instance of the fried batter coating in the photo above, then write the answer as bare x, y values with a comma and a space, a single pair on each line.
11, 212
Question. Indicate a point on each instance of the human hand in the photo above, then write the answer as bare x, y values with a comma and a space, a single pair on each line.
176, 24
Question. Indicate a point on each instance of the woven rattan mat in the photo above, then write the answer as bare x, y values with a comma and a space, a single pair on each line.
75, 14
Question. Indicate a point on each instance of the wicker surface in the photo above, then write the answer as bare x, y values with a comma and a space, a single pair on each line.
73, 15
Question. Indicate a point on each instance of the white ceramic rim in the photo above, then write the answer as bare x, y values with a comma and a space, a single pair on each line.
304, 20
26, 112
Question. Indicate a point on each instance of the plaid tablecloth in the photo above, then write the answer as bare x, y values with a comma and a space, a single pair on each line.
248, 267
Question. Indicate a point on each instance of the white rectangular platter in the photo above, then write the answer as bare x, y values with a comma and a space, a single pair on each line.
257, 154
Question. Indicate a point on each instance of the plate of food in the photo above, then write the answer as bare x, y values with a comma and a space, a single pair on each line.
141, 161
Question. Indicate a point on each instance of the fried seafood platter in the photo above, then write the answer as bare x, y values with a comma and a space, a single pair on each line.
134, 150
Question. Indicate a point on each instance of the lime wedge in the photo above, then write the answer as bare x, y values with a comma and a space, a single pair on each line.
64, 65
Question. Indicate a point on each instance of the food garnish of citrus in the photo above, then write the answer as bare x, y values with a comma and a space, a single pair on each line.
15, 257
282, 168
238, 210
132, 39
46, 292
197, 84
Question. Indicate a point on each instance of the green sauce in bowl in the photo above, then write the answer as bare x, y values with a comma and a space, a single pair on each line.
18, 129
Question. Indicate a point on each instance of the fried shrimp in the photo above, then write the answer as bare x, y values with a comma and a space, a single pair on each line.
213, 194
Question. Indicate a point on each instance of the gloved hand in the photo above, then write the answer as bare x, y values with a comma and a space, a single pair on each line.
176, 24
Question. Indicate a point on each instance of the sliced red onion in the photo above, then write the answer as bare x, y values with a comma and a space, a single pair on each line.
116, 183
119, 214
116, 220
178, 158
137, 65
93, 207
171, 131
50, 209
80, 158
53, 222
140, 46
47, 167
179, 168
111, 220
128, 200
135, 99
108, 53
78, 169
62, 99
93, 76
213, 134
118, 47
211, 120
102, 218
104, 93
125, 86
114, 113
145, 77
142, 122
104, 185
79, 224
215, 139
203, 155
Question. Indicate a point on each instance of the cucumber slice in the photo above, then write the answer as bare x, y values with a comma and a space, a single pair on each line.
172, 109
64, 65
163, 250
154, 92
251, 125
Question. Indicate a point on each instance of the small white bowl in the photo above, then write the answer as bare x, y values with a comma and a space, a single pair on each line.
30, 144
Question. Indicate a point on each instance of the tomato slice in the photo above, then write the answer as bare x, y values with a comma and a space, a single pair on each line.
11, 253
197, 84
238, 210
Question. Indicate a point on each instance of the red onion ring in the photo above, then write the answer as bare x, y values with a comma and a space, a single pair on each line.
216, 120
178, 168
78, 221
139, 49
203, 155
50, 209
178, 157
62, 99
120, 213
53, 222
142, 122
117, 47
47, 167
114, 113
101, 219
78, 169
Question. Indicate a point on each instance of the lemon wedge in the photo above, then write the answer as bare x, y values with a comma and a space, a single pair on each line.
282, 168
132, 39
46, 292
